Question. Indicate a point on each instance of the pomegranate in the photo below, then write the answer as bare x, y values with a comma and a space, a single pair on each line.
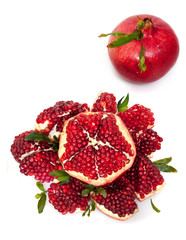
51, 120
67, 198
106, 102
108, 146
96, 147
35, 158
143, 48
120, 200
145, 177
137, 118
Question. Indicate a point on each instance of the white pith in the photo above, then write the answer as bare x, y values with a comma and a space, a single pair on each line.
54, 132
114, 215
23, 156
93, 142
158, 189
41, 126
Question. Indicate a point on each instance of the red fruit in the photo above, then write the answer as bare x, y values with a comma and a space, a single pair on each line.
120, 200
106, 102
96, 147
67, 198
147, 141
52, 119
137, 118
161, 49
36, 158
144, 177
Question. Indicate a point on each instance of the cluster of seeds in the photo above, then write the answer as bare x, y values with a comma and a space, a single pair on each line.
67, 198
147, 141
137, 118
57, 115
144, 177
106, 102
21, 148
95, 147
39, 164
120, 198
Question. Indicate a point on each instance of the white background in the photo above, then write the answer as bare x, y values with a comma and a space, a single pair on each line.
50, 51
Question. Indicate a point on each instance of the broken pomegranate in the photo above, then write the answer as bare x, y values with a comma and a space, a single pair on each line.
106, 102
51, 120
67, 198
137, 118
101, 158
35, 158
96, 147
147, 141
120, 200
144, 177
143, 48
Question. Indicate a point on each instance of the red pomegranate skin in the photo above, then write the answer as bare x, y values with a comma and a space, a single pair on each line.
161, 50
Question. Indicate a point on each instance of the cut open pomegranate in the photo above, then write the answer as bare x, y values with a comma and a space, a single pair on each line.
52, 119
67, 198
96, 147
120, 200
104, 147
145, 177
35, 158
137, 118
106, 102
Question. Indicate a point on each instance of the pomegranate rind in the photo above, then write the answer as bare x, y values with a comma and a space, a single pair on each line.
100, 179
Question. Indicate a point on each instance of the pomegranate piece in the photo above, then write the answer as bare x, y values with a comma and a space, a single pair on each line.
144, 177
52, 119
120, 200
20, 148
35, 158
137, 118
150, 52
147, 141
67, 198
106, 102
96, 147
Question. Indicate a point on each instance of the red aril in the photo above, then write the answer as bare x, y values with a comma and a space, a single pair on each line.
146, 52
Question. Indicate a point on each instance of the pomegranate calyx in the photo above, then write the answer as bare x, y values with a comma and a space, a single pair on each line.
148, 23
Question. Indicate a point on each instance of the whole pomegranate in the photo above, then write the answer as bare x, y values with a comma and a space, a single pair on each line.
143, 48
